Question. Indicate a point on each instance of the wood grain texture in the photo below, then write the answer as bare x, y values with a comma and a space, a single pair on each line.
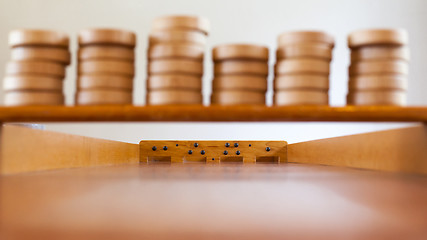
26, 150
400, 150
218, 201
213, 151
198, 113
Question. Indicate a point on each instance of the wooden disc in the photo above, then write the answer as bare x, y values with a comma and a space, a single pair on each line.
172, 97
378, 82
106, 52
380, 53
106, 66
291, 38
177, 36
174, 81
179, 50
300, 97
103, 97
302, 66
302, 81
314, 50
107, 36
239, 51
377, 37
379, 67
27, 98
33, 37
32, 82
35, 67
182, 22
175, 66
241, 67
237, 97
373, 98
105, 81
54, 54
243, 82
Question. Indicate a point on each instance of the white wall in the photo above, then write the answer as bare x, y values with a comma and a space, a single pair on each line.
256, 21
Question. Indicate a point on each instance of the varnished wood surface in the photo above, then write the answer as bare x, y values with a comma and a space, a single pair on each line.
198, 201
28, 150
211, 113
401, 150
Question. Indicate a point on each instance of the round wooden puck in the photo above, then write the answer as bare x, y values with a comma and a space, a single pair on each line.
105, 81
107, 36
54, 54
106, 52
380, 53
378, 82
35, 67
34, 37
237, 97
182, 22
291, 38
300, 97
106, 66
172, 97
319, 50
243, 82
380, 97
379, 67
175, 66
27, 98
304, 66
177, 36
377, 37
179, 50
174, 81
239, 51
302, 81
103, 97
241, 67
31, 82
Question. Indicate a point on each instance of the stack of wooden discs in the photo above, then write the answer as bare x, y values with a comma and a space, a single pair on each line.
302, 68
35, 74
379, 67
175, 60
240, 74
106, 67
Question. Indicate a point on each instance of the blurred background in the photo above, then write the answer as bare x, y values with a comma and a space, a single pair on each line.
232, 21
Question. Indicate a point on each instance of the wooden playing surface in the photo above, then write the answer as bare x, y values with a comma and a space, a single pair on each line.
227, 201
211, 113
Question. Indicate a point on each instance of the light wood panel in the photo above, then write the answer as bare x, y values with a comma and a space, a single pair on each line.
190, 113
24, 150
213, 151
400, 150
198, 201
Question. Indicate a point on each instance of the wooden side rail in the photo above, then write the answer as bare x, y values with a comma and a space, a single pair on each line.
24, 150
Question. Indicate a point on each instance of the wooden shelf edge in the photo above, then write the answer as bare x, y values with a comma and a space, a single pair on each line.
211, 114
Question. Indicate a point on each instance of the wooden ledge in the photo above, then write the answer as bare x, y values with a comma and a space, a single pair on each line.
211, 114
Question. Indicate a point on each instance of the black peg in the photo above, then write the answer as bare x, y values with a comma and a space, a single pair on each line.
190, 151
227, 144
165, 148
213, 159
267, 149
238, 152
250, 145
196, 144
236, 144
202, 152
225, 152
154, 148
176, 144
